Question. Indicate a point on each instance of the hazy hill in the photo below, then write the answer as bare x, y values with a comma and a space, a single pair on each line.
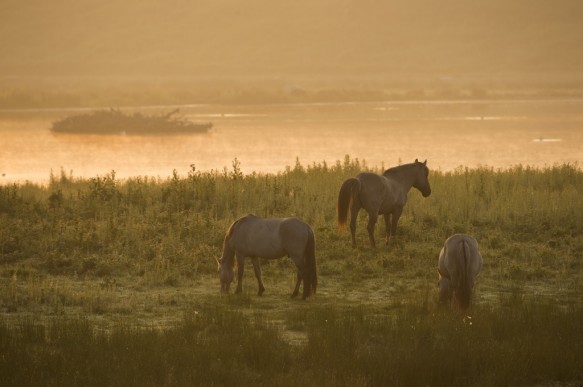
333, 38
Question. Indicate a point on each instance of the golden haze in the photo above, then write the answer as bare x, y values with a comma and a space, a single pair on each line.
318, 39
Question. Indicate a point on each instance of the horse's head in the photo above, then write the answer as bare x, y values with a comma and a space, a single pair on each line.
421, 181
226, 274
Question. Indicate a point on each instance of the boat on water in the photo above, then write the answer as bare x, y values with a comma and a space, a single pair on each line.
115, 122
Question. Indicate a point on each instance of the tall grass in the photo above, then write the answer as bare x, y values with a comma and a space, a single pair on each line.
142, 221
165, 230
104, 226
75, 243
216, 345
415, 344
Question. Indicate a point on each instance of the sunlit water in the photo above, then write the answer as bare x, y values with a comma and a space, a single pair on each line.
268, 138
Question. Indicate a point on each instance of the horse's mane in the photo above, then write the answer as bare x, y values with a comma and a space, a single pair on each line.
235, 224
400, 168
230, 231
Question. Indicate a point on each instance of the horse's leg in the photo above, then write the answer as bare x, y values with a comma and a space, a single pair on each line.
300, 276
354, 208
372, 221
297, 287
257, 269
395, 219
387, 217
240, 266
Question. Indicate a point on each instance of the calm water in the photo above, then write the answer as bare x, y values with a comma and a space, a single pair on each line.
269, 138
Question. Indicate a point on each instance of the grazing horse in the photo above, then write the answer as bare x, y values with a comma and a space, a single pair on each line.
255, 237
386, 195
459, 264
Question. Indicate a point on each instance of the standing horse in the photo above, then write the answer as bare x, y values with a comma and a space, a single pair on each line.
386, 195
255, 237
459, 264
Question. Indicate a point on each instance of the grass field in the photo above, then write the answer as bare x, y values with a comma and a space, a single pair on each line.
110, 282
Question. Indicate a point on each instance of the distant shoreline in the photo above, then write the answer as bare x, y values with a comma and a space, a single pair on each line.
427, 101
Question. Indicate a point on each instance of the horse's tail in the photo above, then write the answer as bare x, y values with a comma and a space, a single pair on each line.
310, 275
348, 192
465, 286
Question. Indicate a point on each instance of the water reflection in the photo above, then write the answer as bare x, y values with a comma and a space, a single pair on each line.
268, 138
546, 139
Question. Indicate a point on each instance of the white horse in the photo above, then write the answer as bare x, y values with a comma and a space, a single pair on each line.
255, 237
459, 264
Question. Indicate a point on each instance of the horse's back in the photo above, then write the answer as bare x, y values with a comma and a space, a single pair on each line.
452, 253
295, 232
270, 238
293, 227
459, 262
380, 192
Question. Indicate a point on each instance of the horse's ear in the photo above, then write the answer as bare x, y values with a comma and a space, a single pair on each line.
425, 162
416, 161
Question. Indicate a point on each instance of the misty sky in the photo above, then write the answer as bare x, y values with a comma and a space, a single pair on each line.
285, 38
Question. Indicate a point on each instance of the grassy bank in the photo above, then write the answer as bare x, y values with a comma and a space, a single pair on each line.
525, 344
114, 282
